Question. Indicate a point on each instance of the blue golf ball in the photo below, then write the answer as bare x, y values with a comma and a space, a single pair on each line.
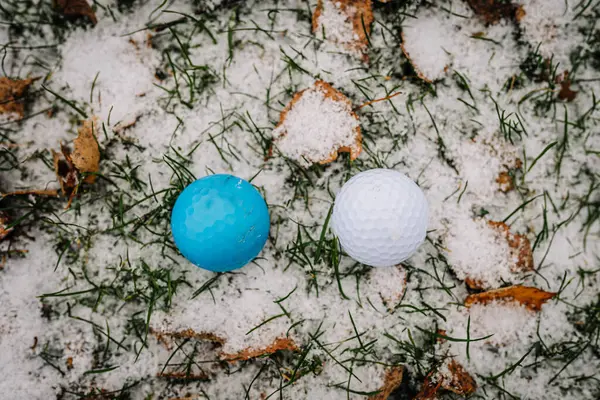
220, 222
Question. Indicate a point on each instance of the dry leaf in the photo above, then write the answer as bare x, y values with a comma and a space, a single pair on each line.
520, 253
459, 381
505, 182
12, 92
66, 173
337, 96
391, 382
86, 156
505, 178
531, 297
279, 344
492, 11
430, 388
358, 12
456, 379
565, 92
419, 73
520, 244
74, 9
4, 223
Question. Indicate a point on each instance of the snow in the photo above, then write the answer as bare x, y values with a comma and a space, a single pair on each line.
315, 127
334, 24
455, 152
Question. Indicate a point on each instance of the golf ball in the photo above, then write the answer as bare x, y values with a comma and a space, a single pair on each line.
220, 222
380, 217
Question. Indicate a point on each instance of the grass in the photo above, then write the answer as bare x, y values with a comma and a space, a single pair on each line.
129, 206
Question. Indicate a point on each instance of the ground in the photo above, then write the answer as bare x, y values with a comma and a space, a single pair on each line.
495, 114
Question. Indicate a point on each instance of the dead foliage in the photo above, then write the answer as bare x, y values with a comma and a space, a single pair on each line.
358, 12
76, 9
530, 297
505, 179
430, 387
5, 228
12, 94
279, 344
86, 156
565, 93
456, 380
492, 11
418, 72
520, 251
391, 382
459, 381
337, 96
85, 160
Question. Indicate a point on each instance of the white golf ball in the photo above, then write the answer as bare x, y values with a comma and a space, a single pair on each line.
380, 217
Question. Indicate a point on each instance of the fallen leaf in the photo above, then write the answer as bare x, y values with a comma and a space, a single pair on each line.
565, 92
459, 381
391, 382
454, 378
520, 244
75, 9
279, 344
419, 73
65, 171
4, 223
328, 92
492, 11
86, 156
358, 12
70, 363
530, 297
505, 182
430, 387
12, 92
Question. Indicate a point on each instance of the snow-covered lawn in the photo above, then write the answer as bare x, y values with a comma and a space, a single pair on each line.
495, 114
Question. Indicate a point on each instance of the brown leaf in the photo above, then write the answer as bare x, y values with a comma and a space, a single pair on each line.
419, 73
531, 297
4, 223
520, 244
430, 388
337, 96
65, 171
86, 156
492, 11
75, 9
279, 344
391, 382
565, 92
505, 182
359, 12
459, 381
12, 92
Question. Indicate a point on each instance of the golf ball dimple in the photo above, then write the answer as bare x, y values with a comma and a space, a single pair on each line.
220, 222
380, 217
